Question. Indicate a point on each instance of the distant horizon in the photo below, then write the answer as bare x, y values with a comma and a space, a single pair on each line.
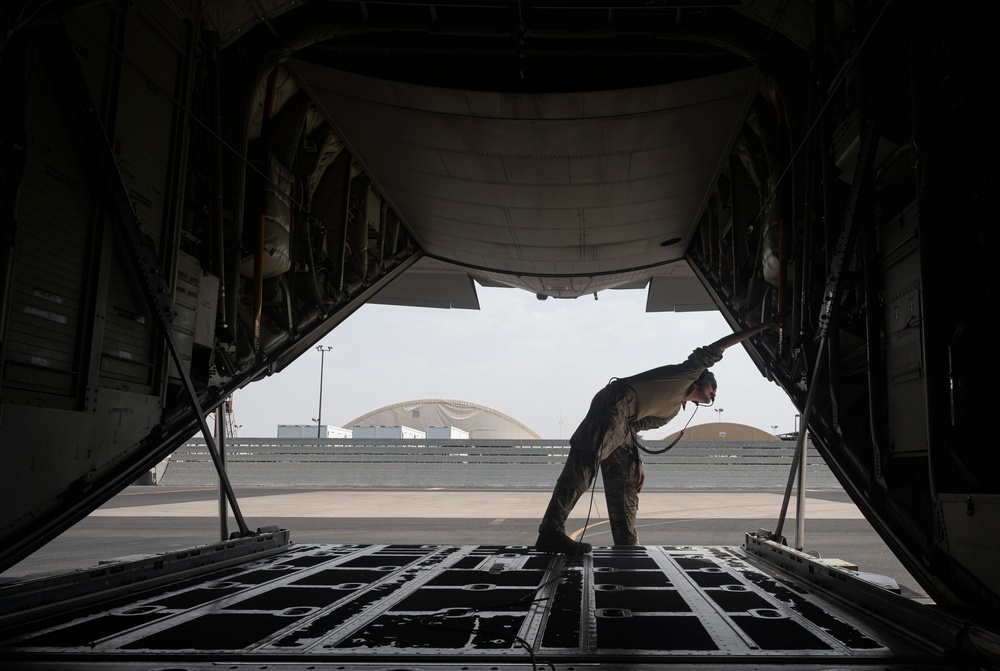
539, 362
720, 424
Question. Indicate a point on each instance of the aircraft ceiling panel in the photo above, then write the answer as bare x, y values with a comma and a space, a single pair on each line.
591, 169
558, 221
530, 170
438, 162
421, 189
476, 247
473, 167
500, 235
448, 214
546, 233
483, 236
529, 184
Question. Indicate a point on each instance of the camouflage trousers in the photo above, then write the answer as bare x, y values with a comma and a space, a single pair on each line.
603, 439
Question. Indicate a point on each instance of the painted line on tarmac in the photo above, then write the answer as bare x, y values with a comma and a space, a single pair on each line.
659, 523
576, 534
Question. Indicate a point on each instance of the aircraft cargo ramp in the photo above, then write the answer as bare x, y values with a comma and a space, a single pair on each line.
287, 606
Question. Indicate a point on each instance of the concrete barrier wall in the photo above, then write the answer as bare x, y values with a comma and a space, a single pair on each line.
464, 463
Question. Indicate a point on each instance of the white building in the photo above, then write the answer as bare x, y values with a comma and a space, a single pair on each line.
386, 432
446, 432
309, 431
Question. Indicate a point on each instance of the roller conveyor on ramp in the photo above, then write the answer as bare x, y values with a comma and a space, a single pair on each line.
264, 603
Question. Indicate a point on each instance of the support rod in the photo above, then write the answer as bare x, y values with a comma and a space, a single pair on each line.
800, 502
220, 430
319, 413
800, 445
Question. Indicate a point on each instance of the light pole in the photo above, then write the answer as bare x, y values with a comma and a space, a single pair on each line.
319, 415
774, 429
719, 410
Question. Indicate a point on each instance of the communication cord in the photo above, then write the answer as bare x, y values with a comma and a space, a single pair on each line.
639, 445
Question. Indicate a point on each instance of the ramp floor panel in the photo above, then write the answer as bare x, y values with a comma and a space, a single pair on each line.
476, 606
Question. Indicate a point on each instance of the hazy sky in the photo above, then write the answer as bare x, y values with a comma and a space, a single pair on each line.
538, 361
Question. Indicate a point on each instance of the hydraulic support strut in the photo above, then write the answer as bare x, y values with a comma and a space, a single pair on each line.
139, 246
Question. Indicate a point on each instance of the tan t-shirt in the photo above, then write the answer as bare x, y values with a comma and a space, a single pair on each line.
660, 391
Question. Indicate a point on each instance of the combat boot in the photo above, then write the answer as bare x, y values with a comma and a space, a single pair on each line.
556, 542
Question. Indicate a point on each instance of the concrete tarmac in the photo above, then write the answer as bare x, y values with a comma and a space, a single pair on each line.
146, 520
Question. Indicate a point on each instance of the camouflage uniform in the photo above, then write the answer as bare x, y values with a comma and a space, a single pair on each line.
604, 432
606, 435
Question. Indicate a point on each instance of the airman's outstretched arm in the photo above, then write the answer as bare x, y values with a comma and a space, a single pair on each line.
740, 336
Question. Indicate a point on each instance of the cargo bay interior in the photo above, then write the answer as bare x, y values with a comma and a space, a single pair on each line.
194, 193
